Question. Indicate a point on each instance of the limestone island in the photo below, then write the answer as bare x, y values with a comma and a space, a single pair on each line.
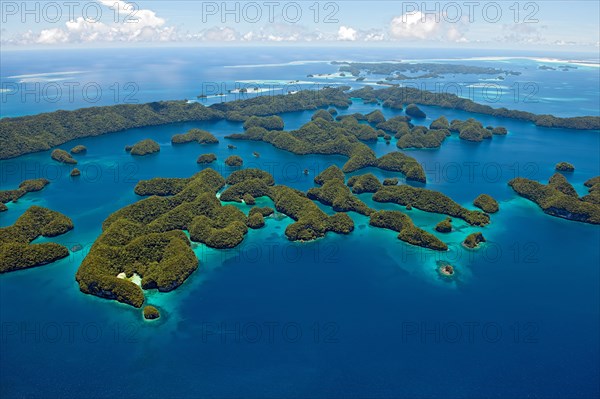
390, 181
190, 204
268, 122
26, 186
415, 112
63, 157
16, 250
553, 200
206, 158
366, 183
79, 149
75, 172
145, 147
151, 313
564, 167
472, 241
445, 226
320, 136
446, 270
28, 133
234, 161
408, 232
429, 201
197, 135
486, 203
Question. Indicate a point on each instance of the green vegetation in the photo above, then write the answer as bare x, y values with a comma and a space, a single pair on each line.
332, 172
240, 176
145, 147
79, 149
408, 232
324, 137
395, 124
197, 135
255, 221
487, 203
366, 183
146, 238
556, 203
323, 115
421, 137
398, 95
254, 187
63, 157
234, 161
594, 190
206, 158
559, 182
271, 105
249, 199
470, 130
399, 162
17, 253
3, 208
26, 186
414, 111
310, 221
75, 172
390, 181
429, 201
151, 313
267, 122
337, 195
394, 69
26, 134
264, 211
440, 123
376, 117
445, 226
473, 240
564, 167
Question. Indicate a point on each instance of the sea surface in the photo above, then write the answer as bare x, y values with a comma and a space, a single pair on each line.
364, 315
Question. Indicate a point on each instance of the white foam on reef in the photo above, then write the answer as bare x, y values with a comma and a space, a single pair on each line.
588, 63
291, 63
45, 77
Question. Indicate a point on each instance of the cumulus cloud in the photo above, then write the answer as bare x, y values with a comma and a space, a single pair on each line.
347, 33
416, 25
141, 25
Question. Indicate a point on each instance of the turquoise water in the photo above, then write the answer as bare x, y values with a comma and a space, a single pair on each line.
363, 315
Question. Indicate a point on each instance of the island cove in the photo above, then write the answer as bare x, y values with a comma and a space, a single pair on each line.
27, 134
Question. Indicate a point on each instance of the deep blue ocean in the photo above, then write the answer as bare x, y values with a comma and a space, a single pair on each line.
363, 315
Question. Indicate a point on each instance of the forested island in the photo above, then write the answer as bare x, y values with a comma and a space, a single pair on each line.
26, 186
16, 250
146, 238
394, 69
346, 137
558, 198
27, 134
198, 135
145, 147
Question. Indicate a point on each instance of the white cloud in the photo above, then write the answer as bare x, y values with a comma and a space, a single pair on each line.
416, 25
347, 33
413, 25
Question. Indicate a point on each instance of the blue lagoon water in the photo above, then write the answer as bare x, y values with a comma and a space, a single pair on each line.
363, 315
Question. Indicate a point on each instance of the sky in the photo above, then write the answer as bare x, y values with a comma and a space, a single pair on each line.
479, 24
